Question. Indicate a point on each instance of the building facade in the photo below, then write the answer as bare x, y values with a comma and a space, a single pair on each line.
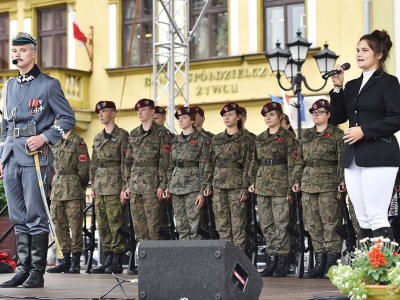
227, 61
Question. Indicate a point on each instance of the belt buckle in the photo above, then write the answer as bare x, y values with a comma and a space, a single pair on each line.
269, 162
315, 163
16, 132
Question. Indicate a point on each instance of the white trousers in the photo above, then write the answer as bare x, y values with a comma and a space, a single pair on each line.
370, 190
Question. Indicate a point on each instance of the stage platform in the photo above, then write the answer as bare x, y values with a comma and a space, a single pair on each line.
91, 286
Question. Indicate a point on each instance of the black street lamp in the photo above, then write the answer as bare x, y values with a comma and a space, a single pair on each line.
290, 63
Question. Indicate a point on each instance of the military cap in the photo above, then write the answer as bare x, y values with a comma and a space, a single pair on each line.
23, 38
185, 111
160, 110
270, 107
321, 103
104, 104
199, 110
229, 107
286, 118
144, 102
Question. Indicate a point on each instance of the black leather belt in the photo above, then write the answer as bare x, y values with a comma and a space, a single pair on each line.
321, 163
230, 165
146, 164
273, 162
109, 164
17, 132
187, 164
67, 172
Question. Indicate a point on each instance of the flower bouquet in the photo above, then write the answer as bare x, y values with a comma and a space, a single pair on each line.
375, 265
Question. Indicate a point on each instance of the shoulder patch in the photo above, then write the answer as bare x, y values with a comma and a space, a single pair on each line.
82, 158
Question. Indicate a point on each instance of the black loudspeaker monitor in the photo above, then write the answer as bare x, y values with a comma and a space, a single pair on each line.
196, 270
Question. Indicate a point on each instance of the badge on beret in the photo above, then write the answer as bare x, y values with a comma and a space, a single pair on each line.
225, 108
193, 142
146, 102
265, 109
314, 106
322, 103
167, 148
82, 158
138, 105
273, 104
187, 109
179, 112
233, 105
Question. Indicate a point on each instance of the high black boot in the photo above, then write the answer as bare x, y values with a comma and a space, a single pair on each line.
101, 269
116, 265
64, 266
76, 261
319, 268
39, 248
292, 263
331, 260
271, 265
280, 270
24, 261
385, 232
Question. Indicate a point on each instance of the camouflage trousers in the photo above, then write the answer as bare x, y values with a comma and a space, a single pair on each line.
68, 215
230, 216
274, 216
148, 216
110, 216
322, 215
292, 222
187, 217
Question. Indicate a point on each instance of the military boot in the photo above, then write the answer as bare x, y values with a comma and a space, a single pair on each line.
280, 270
64, 265
292, 263
271, 265
39, 246
75, 266
319, 268
101, 269
331, 260
116, 264
24, 261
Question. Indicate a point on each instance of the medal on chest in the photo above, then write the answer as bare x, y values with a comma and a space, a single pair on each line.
35, 105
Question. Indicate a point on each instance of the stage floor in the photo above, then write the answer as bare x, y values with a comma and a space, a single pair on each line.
91, 286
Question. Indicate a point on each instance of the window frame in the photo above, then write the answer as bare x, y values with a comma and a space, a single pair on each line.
5, 40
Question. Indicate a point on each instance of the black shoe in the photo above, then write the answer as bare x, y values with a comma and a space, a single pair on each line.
24, 261
101, 269
39, 248
63, 267
76, 261
116, 265
292, 263
319, 268
271, 265
280, 270
331, 260
133, 271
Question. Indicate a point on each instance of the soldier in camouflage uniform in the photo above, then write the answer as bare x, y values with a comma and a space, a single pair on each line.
68, 193
270, 177
146, 172
318, 173
108, 186
226, 176
189, 153
160, 115
200, 118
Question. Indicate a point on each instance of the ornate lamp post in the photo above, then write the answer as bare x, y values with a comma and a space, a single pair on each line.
290, 63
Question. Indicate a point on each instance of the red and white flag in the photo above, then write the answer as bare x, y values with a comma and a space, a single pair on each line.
78, 34
286, 104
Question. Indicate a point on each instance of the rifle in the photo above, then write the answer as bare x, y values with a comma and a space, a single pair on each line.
130, 236
253, 230
170, 234
92, 238
347, 231
300, 234
212, 234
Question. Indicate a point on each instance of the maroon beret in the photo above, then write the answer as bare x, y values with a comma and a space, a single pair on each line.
199, 110
144, 102
270, 107
229, 107
321, 103
160, 110
243, 109
104, 104
185, 110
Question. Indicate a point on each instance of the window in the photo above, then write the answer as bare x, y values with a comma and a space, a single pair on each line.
211, 35
283, 18
142, 48
4, 40
52, 37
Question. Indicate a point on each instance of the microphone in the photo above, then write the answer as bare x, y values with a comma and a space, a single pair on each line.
344, 67
15, 60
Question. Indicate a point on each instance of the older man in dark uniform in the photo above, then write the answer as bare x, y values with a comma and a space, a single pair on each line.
32, 103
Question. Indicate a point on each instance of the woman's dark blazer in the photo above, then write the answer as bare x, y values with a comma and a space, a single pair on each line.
377, 110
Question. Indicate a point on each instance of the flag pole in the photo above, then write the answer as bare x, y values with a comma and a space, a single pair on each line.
90, 51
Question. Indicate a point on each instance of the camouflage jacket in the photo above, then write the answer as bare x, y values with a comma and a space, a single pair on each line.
71, 165
209, 134
252, 139
326, 146
192, 150
228, 164
278, 150
147, 159
108, 161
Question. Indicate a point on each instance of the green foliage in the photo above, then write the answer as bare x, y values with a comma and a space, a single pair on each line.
3, 200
